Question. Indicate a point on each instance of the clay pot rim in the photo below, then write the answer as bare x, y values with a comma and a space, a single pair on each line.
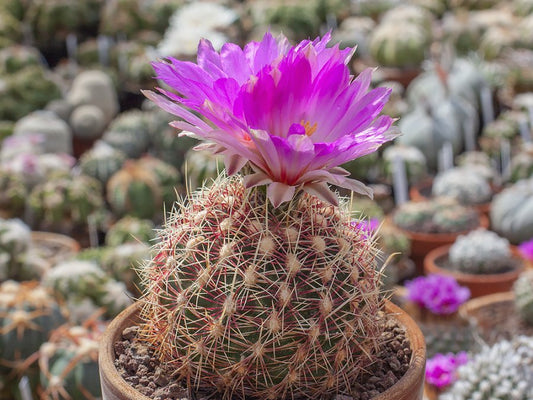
413, 379
440, 237
430, 266
67, 241
469, 308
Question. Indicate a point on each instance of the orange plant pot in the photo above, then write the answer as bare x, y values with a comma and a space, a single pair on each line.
114, 387
479, 284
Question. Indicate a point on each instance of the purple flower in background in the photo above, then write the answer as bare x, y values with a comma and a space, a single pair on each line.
292, 113
441, 369
526, 249
368, 227
439, 294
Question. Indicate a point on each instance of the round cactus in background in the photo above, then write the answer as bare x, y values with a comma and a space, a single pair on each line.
130, 229
523, 293
13, 193
481, 252
102, 161
462, 184
129, 133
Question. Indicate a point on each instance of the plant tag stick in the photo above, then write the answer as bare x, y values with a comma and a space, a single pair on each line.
505, 156
525, 132
487, 110
93, 234
24, 388
104, 43
399, 181
470, 134
446, 157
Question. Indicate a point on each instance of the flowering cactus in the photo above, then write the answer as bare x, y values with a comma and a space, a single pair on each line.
437, 293
269, 292
441, 368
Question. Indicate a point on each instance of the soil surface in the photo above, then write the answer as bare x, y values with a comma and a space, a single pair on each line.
136, 363
499, 321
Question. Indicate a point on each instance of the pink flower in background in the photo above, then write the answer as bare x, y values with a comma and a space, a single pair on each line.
439, 294
368, 227
526, 249
441, 369
293, 113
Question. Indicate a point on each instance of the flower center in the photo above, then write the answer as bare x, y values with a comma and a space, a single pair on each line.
303, 128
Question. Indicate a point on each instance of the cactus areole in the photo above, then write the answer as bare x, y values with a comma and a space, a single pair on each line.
269, 292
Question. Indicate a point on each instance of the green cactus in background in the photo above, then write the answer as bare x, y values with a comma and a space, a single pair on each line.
87, 122
10, 29
448, 337
85, 287
523, 294
14, 58
129, 133
68, 362
28, 313
66, 202
121, 262
522, 164
13, 193
142, 187
130, 229
15, 240
503, 371
481, 252
438, 215
101, 162
201, 168
24, 91
505, 127
249, 280
462, 184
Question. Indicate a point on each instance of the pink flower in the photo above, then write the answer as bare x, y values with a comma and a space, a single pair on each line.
441, 369
438, 293
292, 113
526, 249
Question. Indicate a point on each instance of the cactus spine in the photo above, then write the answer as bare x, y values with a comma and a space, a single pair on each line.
263, 302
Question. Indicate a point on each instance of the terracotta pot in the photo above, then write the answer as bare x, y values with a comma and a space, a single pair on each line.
423, 243
54, 246
114, 387
479, 284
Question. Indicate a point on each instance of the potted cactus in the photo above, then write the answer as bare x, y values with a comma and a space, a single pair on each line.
503, 315
261, 286
480, 260
433, 223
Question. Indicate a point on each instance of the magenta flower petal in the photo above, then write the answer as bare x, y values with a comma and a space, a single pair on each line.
293, 113
526, 249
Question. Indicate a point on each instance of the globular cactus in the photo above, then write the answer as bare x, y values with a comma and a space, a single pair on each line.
165, 142
85, 287
129, 133
10, 29
480, 163
522, 164
142, 187
201, 168
496, 132
511, 212
399, 45
438, 215
15, 58
448, 337
523, 294
13, 193
68, 363
481, 252
87, 122
249, 291
15, 239
462, 184
503, 371
130, 229
413, 159
28, 313
66, 202
122, 262
102, 161
26, 90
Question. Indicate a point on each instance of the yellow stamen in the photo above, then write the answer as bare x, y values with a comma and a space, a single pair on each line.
309, 129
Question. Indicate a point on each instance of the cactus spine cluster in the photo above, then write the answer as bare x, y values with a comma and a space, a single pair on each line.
262, 302
129, 132
481, 252
523, 292
102, 161
501, 372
